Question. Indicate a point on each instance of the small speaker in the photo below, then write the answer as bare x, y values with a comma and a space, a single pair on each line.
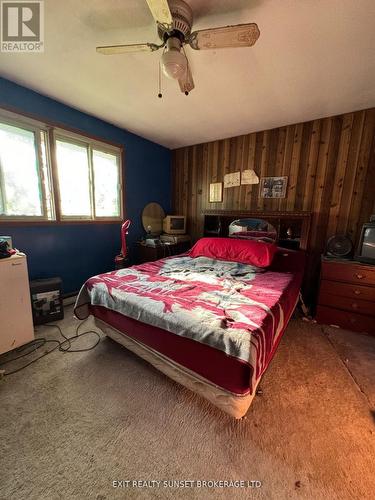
339, 247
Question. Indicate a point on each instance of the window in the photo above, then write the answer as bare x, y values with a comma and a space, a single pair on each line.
95, 192
23, 175
52, 174
72, 164
106, 176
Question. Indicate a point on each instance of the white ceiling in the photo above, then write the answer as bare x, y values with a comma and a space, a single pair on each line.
314, 58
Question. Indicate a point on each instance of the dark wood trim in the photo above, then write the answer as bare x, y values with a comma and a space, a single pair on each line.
259, 213
304, 217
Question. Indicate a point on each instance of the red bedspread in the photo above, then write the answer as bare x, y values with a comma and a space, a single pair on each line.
236, 312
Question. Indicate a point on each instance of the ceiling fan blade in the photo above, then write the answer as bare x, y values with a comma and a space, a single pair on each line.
123, 49
160, 12
186, 82
240, 35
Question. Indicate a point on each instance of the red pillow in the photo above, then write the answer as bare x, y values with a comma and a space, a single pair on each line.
256, 253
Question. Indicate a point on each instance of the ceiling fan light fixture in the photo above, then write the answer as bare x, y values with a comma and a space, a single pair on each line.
173, 61
174, 21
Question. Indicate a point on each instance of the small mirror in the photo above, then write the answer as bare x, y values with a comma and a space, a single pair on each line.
152, 219
253, 229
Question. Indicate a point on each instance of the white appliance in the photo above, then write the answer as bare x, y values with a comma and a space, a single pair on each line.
16, 320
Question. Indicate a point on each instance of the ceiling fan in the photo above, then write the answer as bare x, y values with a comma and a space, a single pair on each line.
174, 20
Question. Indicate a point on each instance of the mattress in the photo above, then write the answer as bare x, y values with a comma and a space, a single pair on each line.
234, 405
222, 321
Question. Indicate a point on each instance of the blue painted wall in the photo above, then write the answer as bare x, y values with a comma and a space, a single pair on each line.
77, 251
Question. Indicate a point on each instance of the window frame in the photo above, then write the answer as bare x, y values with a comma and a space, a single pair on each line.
52, 131
90, 145
36, 128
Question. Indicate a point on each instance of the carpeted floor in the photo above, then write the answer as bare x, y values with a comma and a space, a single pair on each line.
72, 424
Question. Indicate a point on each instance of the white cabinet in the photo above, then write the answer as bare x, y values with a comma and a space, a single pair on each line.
16, 321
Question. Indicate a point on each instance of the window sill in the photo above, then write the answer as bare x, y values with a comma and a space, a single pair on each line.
4, 222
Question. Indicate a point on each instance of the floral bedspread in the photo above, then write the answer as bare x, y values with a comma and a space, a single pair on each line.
233, 307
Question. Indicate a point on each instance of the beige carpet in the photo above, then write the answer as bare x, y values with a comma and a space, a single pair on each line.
71, 424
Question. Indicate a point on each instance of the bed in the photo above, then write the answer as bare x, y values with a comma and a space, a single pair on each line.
211, 324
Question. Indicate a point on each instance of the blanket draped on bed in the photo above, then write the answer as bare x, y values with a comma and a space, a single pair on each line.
229, 306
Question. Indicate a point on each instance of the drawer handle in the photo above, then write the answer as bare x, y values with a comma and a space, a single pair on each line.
357, 292
359, 276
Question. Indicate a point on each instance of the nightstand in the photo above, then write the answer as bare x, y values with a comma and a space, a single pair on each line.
347, 295
149, 254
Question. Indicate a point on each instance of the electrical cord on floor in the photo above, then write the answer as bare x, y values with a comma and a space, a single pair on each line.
75, 337
38, 343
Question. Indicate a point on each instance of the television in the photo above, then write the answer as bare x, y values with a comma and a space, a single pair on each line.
174, 224
366, 246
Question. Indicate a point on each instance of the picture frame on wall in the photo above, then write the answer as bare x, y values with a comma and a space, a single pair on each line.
216, 192
273, 187
232, 180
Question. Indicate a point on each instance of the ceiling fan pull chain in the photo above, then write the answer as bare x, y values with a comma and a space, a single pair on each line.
160, 95
188, 67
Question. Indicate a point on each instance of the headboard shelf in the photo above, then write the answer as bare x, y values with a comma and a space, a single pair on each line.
292, 227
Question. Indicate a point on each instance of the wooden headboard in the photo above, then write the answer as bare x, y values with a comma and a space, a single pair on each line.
216, 223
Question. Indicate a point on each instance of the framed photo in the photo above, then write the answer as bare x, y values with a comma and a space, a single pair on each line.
273, 187
216, 192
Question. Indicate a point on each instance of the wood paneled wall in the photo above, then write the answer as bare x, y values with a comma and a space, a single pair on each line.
330, 164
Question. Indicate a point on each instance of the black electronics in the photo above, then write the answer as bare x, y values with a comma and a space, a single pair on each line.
46, 300
339, 247
4, 249
212, 225
366, 247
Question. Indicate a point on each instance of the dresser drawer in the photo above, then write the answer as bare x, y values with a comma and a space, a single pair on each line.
345, 319
347, 303
348, 290
348, 272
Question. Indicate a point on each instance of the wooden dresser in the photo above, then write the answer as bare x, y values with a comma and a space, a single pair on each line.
347, 295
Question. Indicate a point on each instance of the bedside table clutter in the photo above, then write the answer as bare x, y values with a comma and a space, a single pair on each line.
146, 253
347, 295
